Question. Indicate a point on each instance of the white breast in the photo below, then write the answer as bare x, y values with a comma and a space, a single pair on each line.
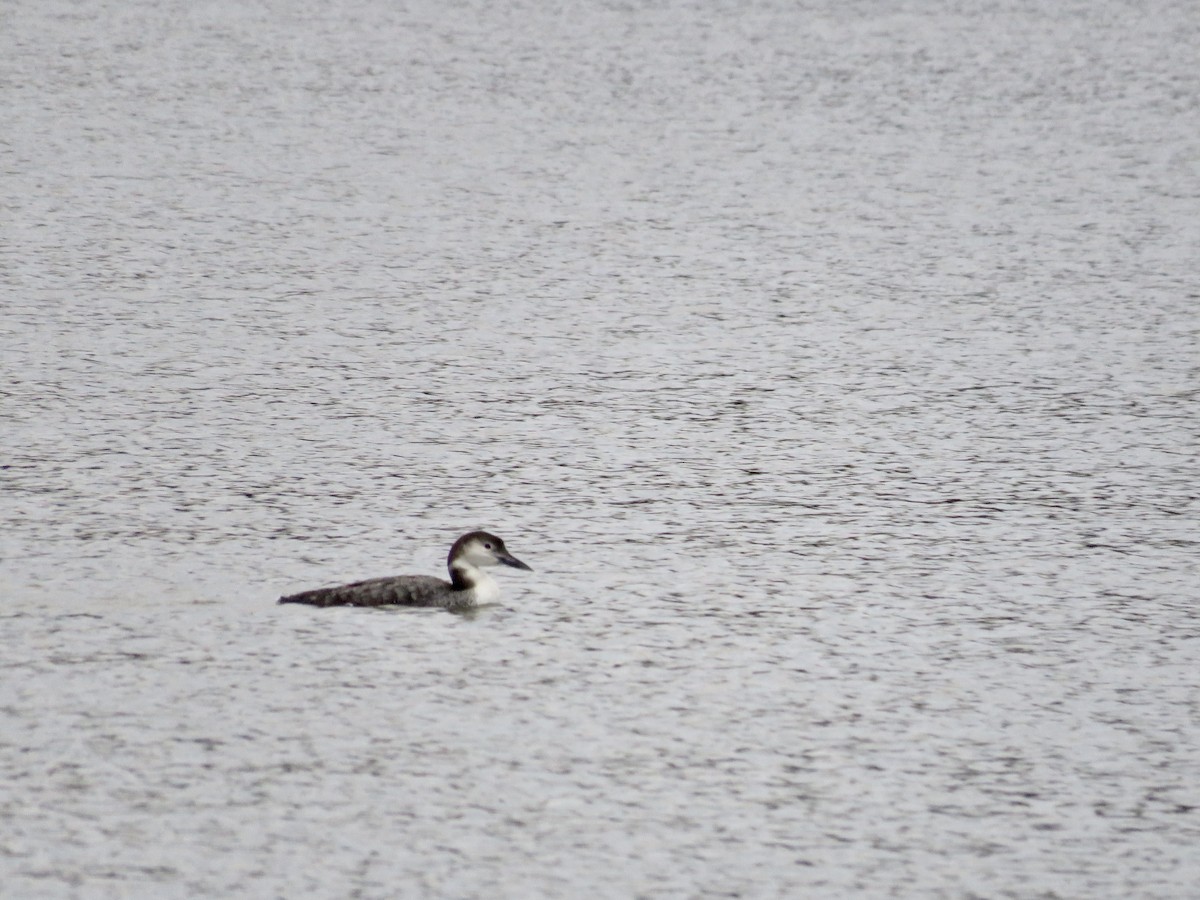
485, 589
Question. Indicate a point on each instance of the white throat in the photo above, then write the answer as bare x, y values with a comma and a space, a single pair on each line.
479, 584
486, 590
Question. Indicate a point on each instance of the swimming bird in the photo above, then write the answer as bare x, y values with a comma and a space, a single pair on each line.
468, 586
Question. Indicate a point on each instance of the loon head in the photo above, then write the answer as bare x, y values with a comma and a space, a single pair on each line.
479, 550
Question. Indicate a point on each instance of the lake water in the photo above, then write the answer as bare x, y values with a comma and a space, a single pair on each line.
833, 364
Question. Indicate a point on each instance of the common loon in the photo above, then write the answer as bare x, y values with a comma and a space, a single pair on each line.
468, 586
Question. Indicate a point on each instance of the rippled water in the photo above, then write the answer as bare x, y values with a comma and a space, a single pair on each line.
834, 366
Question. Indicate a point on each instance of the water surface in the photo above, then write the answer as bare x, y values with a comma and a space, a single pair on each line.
833, 365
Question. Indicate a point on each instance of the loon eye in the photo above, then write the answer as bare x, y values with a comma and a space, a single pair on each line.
487, 546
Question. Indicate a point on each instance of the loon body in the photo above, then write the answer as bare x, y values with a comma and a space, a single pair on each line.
468, 586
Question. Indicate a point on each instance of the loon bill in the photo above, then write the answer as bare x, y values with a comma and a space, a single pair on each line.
469, 584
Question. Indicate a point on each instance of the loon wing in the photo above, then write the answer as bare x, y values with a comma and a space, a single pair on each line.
404, 590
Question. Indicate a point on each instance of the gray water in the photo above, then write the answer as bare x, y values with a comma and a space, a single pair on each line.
834, 365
